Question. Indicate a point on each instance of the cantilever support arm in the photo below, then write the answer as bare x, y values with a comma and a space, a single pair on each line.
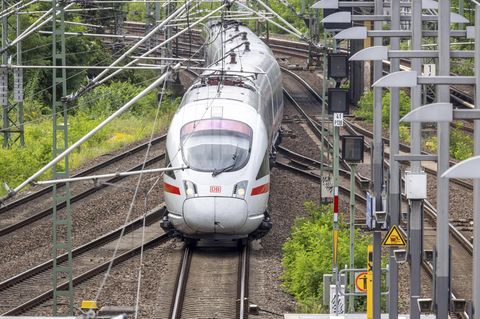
121, 110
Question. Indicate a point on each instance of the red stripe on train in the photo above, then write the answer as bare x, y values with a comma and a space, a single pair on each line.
171, 189
260, 189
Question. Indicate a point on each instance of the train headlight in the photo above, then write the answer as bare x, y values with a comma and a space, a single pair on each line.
190, 189
240, 189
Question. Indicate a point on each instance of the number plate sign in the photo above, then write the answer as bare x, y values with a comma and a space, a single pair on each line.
337, 119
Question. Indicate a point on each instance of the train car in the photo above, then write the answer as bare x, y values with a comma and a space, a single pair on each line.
225, 131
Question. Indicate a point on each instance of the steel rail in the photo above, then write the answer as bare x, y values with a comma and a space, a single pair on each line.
355, 128
307, 162
153, 216
181, 283
243, 272
405, 148
429, 208
314, 177
431, 211
85, 172
48, 211
313, 125
156, 214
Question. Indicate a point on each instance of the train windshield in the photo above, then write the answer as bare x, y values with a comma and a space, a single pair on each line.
216, 145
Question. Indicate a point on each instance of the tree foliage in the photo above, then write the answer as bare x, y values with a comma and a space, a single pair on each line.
18, 163
307, 255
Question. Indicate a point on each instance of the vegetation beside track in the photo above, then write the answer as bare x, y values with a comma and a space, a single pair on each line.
461, 145
307, 256
18, 163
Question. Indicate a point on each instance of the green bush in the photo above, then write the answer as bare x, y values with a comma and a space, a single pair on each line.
307, 255
18, 163
104, 100
365, 106
461, 145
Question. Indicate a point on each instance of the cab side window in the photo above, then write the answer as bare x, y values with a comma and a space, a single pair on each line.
265, 167
168, 164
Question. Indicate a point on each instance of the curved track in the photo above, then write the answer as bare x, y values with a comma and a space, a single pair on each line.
462, 249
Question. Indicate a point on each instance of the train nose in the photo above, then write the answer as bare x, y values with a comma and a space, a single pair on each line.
215, 214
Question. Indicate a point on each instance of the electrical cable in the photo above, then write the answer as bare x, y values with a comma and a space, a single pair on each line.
157, 114
130, 210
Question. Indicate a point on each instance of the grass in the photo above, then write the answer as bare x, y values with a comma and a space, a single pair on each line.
18, 163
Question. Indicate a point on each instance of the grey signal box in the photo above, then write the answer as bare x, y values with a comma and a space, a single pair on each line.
338, 101
352, 148
338, 66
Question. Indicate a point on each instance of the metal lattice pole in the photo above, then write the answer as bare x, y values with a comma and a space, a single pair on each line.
18, 87
4, 80
118, 18
62, 219
12, 113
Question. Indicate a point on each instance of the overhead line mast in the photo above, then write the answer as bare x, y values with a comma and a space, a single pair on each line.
12, 109
62, 218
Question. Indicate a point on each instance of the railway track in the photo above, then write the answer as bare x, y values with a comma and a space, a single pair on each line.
297, 49
212, 282
35, 206
462, 249
32, 288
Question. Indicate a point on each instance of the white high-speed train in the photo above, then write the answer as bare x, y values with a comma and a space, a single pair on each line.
225, 131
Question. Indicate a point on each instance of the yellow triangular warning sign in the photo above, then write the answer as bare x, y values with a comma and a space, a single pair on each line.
394, 238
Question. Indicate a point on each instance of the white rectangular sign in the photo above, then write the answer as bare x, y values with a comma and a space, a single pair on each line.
327, 189
337, 119
429, 70
341, 299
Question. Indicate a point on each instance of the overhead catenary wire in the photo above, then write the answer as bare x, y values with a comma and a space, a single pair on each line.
31, 29
279, 17
69, 11
90, 134
271, 20
127, 218
88, 100
145, 38
15, 8
154, 49
140, 268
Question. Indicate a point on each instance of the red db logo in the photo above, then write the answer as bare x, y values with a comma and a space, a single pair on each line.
215, 189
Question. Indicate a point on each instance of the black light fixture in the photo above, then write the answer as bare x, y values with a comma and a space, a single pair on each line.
338, 101
352, 148
338, 66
